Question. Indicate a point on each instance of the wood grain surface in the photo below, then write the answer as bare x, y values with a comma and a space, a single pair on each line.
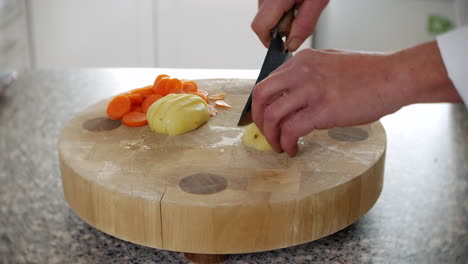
204, 192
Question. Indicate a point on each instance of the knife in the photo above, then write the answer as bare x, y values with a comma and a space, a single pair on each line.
276, 55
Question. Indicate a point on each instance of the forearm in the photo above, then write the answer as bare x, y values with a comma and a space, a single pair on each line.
421, 76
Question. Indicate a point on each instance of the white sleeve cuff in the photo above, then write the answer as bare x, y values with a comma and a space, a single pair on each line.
453, 47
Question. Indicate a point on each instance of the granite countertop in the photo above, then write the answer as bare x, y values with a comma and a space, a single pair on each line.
421, 216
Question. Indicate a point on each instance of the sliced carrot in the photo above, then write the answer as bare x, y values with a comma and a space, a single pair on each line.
144, 91
118, 106
219, 96
136, 99
160, 76
149, 101
176, 91
136, 108
134, 119
203, 92
160, 87
189, 86
222, 104
173, 83
213, 110
203, 96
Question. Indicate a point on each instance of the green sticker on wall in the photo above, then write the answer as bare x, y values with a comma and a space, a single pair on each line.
437, 24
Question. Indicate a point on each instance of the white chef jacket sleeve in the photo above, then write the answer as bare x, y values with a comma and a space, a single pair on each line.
453, 47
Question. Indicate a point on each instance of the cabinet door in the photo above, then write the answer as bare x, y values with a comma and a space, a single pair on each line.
207, 34
145, 33
88, 33
380, 25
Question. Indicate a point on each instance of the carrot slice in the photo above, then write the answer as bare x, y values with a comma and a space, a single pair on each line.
213, 110
136, 99
149, 101
203, 96
222, 104
118, 106
173, 83
136, 108
189, 86
160, 76
219, 96
134, 119
144, 91
203, 92
177, 91
160, 87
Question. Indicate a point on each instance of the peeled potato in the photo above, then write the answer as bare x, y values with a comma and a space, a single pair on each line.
254, 138
176, 114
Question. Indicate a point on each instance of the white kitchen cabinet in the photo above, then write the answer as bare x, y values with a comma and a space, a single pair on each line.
88, 33
208, 34
145, 33
379, 25
196, 34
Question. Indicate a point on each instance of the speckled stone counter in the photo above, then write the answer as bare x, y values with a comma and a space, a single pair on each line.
421, 216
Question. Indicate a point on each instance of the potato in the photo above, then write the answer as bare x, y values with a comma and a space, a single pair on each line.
176, 114
254, 138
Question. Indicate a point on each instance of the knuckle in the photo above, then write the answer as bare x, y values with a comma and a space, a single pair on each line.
254, 25
301, 56
270, 115
278, 2
290, 131
304, 53
320, 3
287, 129
302, 68
303, 29
305, 62
259, 93
333, 50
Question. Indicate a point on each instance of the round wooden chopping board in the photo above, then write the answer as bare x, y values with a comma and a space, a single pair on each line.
205, 192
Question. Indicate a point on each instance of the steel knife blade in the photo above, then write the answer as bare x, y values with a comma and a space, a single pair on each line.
274, 58
276, 55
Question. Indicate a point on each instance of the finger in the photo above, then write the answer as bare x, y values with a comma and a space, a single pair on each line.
267, 18
260, 2
304, 23
298, 125
275, 112
266, 92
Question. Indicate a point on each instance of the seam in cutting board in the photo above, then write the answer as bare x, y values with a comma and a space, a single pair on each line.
161, 216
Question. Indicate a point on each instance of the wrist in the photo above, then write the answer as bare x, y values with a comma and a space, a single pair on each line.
421, 76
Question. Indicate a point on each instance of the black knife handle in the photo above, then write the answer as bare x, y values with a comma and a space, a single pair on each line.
284, 26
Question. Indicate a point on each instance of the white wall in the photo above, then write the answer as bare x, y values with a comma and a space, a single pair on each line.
378, 25
89, 33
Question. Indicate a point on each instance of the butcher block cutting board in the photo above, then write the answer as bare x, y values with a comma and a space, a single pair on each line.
205, 192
